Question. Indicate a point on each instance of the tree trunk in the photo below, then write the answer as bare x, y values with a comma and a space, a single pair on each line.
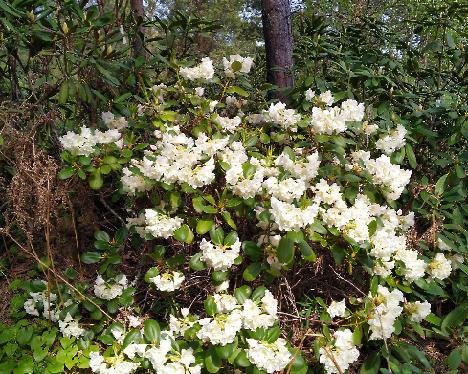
277, 31
138, 12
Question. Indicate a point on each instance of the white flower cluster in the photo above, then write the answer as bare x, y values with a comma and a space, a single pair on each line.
70, 327
286, 118
391, 177
223, 327
440, 267
337, 308
219, 257
100, 366
178, 158
84, 143
290, 218
228, 124
204, 70
386, 311
418, 310
111, 288
166, 360
113, 122
245, 65
168, 282
337, 357
392, 141
271, 357
155, 223
333, 119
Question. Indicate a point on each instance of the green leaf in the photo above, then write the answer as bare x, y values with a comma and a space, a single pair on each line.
196, 263
90, 257
134, 336
224, 351
203, 226
454, 319
285, 250
210, 306
440, 184
252, 250
212, 361
307, 252
217, 235
184, 234
454, 359
228, 218
96, 181
410, 155
151, 273
152, 331
219, 276
230, 239
252, 271
24, 335
371, 365
242, 293
66, 173
102, 235
242, 360
237, 90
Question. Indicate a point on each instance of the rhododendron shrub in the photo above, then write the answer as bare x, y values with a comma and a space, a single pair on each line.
226, 184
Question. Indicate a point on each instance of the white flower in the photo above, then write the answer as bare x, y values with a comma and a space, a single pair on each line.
133, 183
202, 71
385, 313
262, 315
392, 141
351, 110
391, 177
337, 309
221, 329
418, 310
84, 142
180, 325
69, 327
309, 94
219, 257
160, 225
290, 218
327, 98
98, 365
199, 91
245, 64
168, 281
271, 357
440, 267
328, 121
134, 321
286, 118
225, 303
111, 289
113, 122
286, 190
228, 124
213, 104
337, 357
134, 349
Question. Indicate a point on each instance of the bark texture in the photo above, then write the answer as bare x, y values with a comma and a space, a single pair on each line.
138, 12
277, 31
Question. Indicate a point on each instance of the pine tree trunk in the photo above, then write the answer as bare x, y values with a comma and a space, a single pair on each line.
277, 31
138, 12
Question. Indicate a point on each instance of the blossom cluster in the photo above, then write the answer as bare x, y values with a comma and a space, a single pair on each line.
283, 172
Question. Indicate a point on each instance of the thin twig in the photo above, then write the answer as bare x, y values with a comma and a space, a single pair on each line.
347, 281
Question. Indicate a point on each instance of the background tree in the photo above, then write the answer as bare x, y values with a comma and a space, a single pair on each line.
277, 31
